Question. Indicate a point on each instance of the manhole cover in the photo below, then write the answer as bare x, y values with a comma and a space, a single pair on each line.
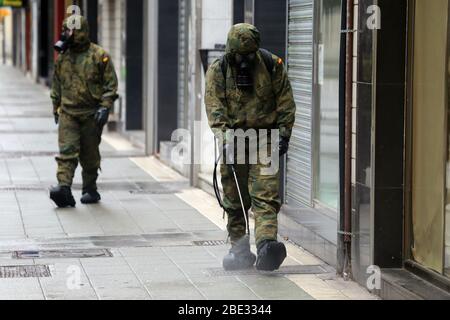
63, 254
39, 271
210, 243
289, 270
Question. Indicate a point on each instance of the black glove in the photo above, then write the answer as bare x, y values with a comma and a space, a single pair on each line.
284, 146
102, 116
56, 115
228, 154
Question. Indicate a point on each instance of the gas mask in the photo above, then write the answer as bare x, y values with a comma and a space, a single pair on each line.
65, 40
244, 65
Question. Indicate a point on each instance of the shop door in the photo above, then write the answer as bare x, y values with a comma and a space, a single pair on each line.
429, 123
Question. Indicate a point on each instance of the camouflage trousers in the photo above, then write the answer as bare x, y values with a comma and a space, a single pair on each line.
260, 193
79, 142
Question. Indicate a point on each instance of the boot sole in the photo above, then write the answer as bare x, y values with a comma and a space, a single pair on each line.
276, 254
61, 201
90, 202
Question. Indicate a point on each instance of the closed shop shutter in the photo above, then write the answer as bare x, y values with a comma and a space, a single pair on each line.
300, 66
182, 71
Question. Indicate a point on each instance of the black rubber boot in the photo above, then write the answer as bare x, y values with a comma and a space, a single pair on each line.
271, 255
62, 196
240, 257
91, 197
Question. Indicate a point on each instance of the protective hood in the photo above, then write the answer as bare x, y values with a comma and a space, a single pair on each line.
243, 39
81, 40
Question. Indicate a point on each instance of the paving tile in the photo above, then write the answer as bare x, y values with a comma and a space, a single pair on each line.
224, 288
264, 286
118, 287
20, 289
174, 290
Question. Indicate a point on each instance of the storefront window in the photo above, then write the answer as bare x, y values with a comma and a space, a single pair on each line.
447, 206
327, 106
430, 197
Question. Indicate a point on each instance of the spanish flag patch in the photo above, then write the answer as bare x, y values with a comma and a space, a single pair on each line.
280, 61
105, 59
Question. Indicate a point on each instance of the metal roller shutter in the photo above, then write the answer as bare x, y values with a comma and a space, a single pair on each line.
300, 66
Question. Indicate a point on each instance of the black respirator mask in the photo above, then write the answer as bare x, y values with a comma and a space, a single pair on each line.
65, 40
244, 65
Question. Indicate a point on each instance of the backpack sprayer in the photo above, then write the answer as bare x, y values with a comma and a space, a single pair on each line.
218, 156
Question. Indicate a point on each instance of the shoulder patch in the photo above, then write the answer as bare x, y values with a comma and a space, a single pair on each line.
105, 59
280, 61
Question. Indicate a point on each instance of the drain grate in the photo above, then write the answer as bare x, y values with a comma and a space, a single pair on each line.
288, 270
45, 154
209, 243
38, 271
26, 154
30, 132
63, 254
133, 189
21, 188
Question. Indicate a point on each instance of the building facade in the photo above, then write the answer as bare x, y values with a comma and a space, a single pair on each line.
365, 183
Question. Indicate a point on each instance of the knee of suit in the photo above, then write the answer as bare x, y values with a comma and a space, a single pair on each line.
266, 205
69, 151
90, 166
67, 158
233, 205
237, 212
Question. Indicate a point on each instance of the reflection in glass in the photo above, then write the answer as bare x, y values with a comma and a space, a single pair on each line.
327, 124
447, 206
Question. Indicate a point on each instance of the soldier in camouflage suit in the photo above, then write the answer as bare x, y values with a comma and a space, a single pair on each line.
268, 105
83, 92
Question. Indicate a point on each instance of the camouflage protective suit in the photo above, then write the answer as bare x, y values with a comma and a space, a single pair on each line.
270, 105
84, 80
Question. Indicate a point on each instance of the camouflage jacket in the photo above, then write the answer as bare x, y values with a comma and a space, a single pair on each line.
84, 78
270, 105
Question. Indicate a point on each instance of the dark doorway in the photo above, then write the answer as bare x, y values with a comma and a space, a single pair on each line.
238, 11
44, 50
134, 63
271, 18
167, 69
50, 35
92, 17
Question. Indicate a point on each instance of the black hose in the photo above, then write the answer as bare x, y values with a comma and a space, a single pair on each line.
215, 180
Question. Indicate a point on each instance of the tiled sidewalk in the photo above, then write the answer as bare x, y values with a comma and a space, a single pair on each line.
150, 220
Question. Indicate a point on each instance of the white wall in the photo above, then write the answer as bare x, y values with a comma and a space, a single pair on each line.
35, 6
9, 39
23, 40
216, 22
150, 74
111, 37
